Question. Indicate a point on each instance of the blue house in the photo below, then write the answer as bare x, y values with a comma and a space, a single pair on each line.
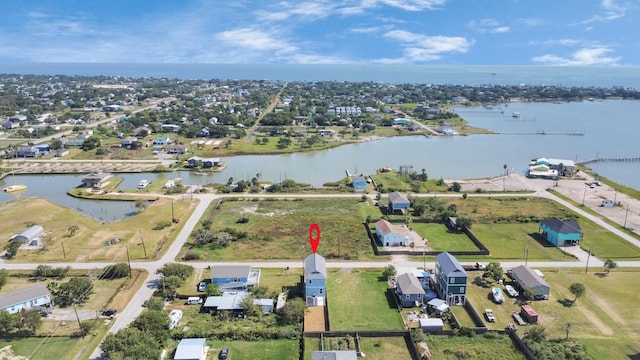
359, 183
409, 290
229, 277
26, 298
398, 203
401, 121
315, 280
26, 151
391, 235
561, 233
451, 279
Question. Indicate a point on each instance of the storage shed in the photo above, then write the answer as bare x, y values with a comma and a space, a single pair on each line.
31, 236
431, 324
527, 312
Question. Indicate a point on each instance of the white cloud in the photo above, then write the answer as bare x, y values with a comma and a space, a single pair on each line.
370, 30
612, 11
253, 39
419, 48
582, 57
301, 11
488, 26
563, 42
407, 5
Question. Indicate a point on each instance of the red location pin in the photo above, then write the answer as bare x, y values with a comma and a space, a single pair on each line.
314, 241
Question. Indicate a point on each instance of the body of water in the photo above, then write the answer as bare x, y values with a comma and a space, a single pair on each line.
405, 73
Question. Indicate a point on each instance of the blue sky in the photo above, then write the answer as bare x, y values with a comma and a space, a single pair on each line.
465, 32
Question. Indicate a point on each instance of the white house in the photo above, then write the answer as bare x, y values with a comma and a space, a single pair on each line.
26, 298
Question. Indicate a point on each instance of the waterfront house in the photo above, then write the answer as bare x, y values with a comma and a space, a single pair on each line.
177, 149
391, 235
528, 279
234, 276
451, 279
398, 203
26, 151
26, 298
409, 290
72, 142
401, 121
445, 129
359, 183
191, 349
206, 163
315, 280
30, 236
561, 233
62, 152
96, 179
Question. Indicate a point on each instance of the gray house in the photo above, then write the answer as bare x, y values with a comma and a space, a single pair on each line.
528, 279
191, 349
26, 151
26, 298
409, 290
451, 279
398, 203
30, 236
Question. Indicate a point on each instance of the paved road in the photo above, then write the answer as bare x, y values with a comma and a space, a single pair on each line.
402, 263
270, 107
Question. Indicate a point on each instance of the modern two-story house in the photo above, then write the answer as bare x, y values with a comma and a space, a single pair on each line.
315, 280
561, 233
451, 279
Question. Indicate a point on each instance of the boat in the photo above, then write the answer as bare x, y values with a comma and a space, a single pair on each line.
385, 169
496, 292
143, 184
14, 188
515, 114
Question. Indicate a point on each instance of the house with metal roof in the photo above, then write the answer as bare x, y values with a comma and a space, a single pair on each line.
409, 290
26, 298
30, 236
561, 233
451, 279
398, 203
96, 179
238, 277
392, 235
191, 349
334, 355
315, 280
232, 301
528, 279
359, 183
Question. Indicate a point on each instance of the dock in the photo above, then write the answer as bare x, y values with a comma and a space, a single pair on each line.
541, 132
609, 159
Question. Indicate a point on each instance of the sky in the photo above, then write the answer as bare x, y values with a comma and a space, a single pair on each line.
451, 32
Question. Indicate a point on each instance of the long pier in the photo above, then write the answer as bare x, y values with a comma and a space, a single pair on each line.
541, 132
609, 159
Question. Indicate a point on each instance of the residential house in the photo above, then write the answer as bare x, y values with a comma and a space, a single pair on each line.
62, 152
315, 280
392, 235
409, 290
30, 236
206, 163
43, 149
177, 149
528, 279
359, 183
142, 131
26, 298
398, 203
162, 140
326, 132
72, 142
128, 141
96, 179
234, 276
451, 279
401, 121
232, 301
10, 125
446, 129
561, 233
191, 349
170, 128
334, 355
17, 118
85, 134
26, 151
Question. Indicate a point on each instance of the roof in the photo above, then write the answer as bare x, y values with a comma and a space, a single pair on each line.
564, 162
529, 310
449, 264
409, 284
97, 175
396, 197
190, 349
232, 300
230, 271
528, 278
561, 226
315, 267
22, 295
334, 355
32, 232
358, 178
387, 227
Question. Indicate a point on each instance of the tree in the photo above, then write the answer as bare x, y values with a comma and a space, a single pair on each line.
578, 290
527, 295
389, 271
463, 222
7, 321
170, 285
180, 270
212, 289
283, 143
494, 270
4, 275
12, 249
535, 334
115, 271
292, 313
456, 186
56, 144
75, 291
155, 303
31, 320
131, 343
250, 308
154, 322
90, 143
141, 205
609, 264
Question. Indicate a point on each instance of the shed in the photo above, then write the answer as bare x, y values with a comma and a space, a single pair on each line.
431, 324
438, 305
529, 314
334, 355
31, 236
191, 349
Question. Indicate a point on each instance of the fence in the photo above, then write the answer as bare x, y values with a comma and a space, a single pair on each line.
405, 334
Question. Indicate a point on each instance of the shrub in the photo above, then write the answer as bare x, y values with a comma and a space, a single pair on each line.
161, 225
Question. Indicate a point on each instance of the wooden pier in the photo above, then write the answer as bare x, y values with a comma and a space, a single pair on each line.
609, 159
542, 132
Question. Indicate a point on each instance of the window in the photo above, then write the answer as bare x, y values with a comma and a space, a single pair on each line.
406, 296
309, 282
320, 290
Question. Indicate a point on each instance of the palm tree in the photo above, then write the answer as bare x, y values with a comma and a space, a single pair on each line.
504, 176
609, 264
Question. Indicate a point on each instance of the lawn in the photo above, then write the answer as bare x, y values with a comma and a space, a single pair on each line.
259, 349
394, 181
353, 295
508, 241
603, 318
606, 245
440, 238
279, 229
87, 243
380, 348
478, 347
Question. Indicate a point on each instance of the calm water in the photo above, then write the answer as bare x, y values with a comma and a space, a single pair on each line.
426, 74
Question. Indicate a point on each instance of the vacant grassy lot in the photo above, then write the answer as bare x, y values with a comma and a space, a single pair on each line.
477, 347
87, 243
394, 181
495, 209
605, 244
280, 229
508, 241
374, 348
260, 349
604, 318
440, 238
354, 295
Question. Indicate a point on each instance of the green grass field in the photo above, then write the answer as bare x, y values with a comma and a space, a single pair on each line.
260, 349
439, 238
354, 295
477, 347
373, 348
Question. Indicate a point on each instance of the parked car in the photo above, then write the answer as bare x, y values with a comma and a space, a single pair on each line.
194, 300
541, 297
496, 293
511, 291
224, 354
202, 286
109, 312
491, 317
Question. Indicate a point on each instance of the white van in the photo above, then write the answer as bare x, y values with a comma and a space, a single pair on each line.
194, 300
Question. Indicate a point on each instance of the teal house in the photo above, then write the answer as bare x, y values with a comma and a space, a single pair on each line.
561, 233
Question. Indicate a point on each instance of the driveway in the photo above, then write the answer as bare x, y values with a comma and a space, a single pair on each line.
67, 314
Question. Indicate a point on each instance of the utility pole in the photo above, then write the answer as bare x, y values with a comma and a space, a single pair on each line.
588, 256
128, 259
526, 255
78, 318
584, 195
64, 253
173, 218
625, 216
424, 257
144, 248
